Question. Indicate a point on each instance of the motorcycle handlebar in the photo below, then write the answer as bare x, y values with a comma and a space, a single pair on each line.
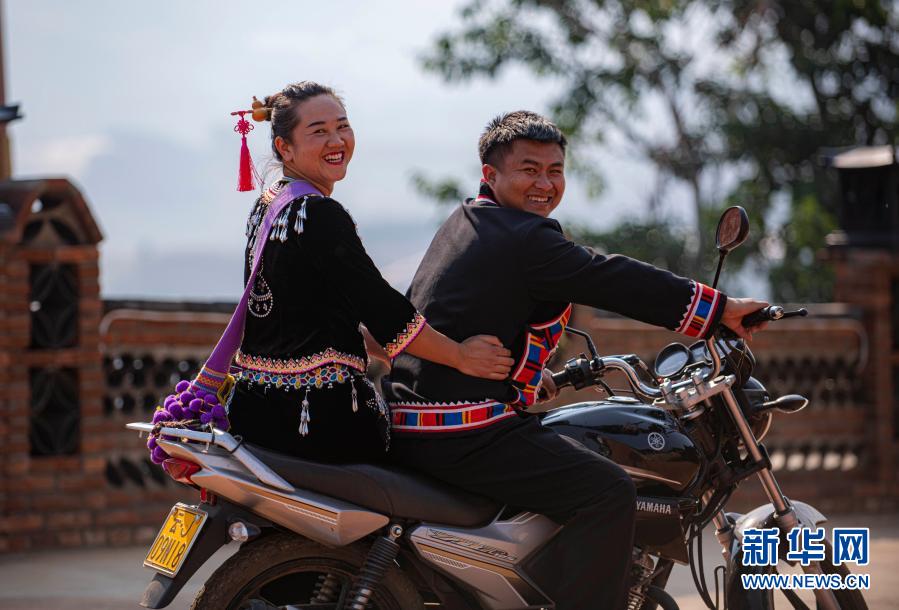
581, 373
561, 379
770, 314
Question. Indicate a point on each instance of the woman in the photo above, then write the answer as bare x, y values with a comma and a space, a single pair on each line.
301, 386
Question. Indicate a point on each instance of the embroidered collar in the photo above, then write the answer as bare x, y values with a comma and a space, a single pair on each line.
485, 197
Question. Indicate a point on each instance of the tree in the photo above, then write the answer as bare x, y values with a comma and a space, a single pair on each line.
747, 94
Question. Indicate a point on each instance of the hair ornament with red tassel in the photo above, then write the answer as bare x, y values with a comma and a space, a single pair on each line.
245, 170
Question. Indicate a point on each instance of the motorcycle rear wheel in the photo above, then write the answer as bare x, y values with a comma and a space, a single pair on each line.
282, 569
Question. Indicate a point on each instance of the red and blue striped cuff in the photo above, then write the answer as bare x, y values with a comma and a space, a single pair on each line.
703, 312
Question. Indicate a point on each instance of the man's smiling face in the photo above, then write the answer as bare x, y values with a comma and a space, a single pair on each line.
529, 177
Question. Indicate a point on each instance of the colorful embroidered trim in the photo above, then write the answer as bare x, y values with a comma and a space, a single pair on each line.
540, 342
209, 381
482, 200
324, 375
394, 348
294, 366
447, 417
700, 311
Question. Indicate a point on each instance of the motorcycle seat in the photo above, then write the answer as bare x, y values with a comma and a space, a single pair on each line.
390, 490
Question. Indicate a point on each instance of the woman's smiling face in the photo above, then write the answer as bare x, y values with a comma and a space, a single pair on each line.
321, 145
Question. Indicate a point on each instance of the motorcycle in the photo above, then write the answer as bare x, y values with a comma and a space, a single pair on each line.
322, 536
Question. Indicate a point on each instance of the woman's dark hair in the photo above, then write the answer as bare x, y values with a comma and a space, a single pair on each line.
282, 107
496, 141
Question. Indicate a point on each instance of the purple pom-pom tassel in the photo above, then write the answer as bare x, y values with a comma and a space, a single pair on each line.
185, 397
151, 443
161, 415
205, 418
182, 386
176, 411
201, 394
158, 455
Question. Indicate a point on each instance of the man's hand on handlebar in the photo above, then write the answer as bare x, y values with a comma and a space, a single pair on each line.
735, 310
547, 389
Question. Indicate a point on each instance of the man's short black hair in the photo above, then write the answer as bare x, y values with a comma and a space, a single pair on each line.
496, 141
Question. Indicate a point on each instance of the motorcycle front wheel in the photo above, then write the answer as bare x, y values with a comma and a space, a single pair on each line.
286, 571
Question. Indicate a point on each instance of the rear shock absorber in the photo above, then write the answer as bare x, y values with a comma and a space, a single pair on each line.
327, 589
378, 561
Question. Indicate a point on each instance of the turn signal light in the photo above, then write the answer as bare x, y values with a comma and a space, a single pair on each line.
180, 470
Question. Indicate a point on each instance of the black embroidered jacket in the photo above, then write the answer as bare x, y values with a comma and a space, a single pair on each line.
315, 286
513, 274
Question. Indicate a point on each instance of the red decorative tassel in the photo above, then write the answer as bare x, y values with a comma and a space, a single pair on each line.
245, 169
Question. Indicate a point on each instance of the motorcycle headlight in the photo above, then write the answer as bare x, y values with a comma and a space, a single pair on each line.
755, 395
760, 424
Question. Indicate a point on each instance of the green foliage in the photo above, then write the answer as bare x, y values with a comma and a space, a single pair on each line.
656, 243
802, 239
749, 90
445, 191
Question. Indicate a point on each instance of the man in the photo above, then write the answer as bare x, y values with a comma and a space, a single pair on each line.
499, 265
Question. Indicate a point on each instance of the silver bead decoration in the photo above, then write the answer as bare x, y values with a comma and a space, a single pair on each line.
304, 415
279, 227
301, 218
261, 301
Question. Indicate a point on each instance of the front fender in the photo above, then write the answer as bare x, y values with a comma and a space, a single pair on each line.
762, 517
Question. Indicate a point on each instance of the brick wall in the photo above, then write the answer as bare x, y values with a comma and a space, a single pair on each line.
51, 500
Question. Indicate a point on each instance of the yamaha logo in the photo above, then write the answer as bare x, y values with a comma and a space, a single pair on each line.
648, 506
656, 441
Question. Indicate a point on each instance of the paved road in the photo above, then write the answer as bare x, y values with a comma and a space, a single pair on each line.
113, 579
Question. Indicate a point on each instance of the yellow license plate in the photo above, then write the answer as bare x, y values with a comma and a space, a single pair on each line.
174, 540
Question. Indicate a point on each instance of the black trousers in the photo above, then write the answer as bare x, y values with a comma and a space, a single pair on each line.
527, 466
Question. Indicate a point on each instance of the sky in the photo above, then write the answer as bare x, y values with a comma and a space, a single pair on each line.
132, 101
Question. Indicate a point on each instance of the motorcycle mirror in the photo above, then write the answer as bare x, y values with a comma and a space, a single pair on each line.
733, 229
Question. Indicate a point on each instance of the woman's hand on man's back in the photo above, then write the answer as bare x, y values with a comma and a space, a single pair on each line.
484, 356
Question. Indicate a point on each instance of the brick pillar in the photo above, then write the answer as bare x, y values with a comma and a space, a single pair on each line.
51, 382
866, 278
14, 404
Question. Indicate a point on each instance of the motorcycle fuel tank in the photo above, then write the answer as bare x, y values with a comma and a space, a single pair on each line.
646, 441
